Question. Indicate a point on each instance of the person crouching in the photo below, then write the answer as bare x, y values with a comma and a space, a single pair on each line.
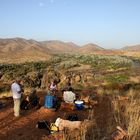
69, 96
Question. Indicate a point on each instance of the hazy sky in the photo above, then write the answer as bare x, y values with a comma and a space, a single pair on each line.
108, 23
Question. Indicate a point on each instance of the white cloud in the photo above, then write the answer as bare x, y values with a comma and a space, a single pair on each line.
41, 4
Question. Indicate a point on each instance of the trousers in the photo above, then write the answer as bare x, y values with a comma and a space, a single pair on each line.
17, 103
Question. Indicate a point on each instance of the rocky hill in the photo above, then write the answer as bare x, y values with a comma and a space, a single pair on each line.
60, 47
132, 48
90, 48
20, 44
21, 50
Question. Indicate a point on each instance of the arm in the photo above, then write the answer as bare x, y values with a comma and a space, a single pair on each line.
18, 88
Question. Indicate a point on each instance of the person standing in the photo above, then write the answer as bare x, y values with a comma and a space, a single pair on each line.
17, 94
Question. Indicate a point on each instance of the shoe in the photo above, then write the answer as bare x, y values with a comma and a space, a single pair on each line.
17, 116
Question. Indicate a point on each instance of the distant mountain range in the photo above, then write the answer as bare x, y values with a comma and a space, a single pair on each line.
19, 49
132, 48
16, 45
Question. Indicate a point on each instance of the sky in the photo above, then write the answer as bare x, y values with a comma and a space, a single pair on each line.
107, 23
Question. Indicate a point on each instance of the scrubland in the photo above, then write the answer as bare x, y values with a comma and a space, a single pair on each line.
114, 81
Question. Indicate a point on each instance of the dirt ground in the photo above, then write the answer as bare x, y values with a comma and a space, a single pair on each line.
24, 127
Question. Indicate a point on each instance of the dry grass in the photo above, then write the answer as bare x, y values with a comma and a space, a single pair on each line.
100, 91
127, 114
80, 134
133, 115
5, 94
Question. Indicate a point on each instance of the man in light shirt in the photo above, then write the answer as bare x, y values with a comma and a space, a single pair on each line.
16, 92
69, 96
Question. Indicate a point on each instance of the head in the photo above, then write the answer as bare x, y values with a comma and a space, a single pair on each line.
68, 84
18, 80
53, 82
33, 91
69, 89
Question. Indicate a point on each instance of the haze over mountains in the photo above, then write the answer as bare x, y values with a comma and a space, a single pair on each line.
19, 49
59, 46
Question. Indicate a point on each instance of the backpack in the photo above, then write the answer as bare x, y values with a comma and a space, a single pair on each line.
24, 105
42, 124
